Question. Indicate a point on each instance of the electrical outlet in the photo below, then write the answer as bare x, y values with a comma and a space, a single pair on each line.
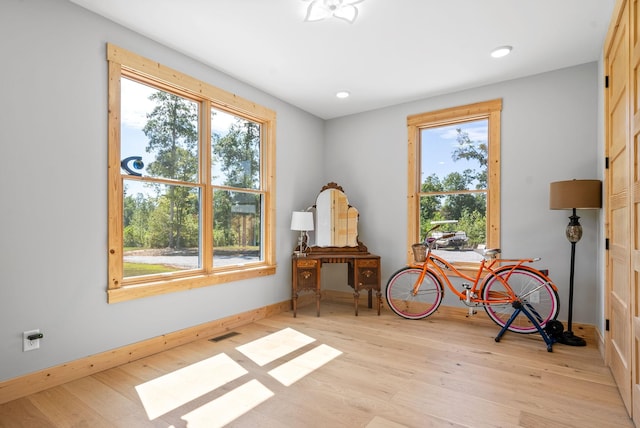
30, 345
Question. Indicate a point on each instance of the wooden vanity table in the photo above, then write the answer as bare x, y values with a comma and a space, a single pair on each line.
363, 274
336, 229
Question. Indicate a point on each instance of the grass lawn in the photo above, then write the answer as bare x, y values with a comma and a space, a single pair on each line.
137, 269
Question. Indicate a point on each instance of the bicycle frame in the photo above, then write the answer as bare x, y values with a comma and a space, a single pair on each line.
436, 265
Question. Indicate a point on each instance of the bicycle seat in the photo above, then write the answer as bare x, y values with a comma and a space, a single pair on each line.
492, 253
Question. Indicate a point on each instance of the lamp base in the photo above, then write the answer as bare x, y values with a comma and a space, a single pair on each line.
568, 338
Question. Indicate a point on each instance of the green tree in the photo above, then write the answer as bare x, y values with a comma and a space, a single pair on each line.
474, 224
223, 234
469, 150
455, 204
136, 219
173, 138
238, 156
238, 153
431, 204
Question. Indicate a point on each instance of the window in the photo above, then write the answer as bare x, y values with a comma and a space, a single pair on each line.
191, 179
454, 180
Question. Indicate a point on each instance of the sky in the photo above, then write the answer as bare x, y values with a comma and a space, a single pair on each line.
438, 143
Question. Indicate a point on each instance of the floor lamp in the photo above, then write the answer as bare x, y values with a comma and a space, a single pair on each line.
572, 195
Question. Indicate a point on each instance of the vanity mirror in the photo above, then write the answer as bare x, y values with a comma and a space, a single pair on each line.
336, 222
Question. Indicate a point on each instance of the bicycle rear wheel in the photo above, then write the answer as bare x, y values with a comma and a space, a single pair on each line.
402, 301
537, 295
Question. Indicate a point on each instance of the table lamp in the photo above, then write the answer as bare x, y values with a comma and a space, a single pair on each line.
301, 221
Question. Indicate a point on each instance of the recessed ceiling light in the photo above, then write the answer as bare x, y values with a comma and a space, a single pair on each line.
343, 94
501, 51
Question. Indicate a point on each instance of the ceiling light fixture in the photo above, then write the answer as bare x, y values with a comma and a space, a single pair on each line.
501, 51
341, 9
343, 94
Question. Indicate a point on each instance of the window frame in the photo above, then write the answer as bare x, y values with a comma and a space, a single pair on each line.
122, 63
489, 110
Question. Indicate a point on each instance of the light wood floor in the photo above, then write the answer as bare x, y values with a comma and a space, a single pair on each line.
443, 371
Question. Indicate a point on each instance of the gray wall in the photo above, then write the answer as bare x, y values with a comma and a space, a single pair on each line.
53, 214
549, 133
53, 181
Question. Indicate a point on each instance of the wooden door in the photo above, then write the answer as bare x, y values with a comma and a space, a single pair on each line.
634, 196
618, 292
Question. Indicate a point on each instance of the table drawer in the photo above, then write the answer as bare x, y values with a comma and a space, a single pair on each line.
305, 263
306, 274
374, 263
368, 273
368, 277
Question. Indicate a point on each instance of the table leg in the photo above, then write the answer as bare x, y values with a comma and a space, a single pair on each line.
356, 297
294, 302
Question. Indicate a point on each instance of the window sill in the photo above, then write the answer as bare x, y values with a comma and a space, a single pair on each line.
132, 292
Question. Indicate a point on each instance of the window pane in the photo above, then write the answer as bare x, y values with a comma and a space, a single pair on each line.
453, 169
454, 157
159, 129
161, 228
237, 218
235, 145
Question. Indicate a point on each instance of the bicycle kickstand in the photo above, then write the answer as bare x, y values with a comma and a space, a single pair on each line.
519, 307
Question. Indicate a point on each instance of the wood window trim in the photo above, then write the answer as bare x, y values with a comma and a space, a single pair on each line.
490, 110
124, 63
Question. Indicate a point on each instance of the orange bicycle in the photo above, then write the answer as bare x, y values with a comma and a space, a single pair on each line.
516, 296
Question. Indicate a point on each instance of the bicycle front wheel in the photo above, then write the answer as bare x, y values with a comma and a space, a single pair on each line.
404, 302
536, 293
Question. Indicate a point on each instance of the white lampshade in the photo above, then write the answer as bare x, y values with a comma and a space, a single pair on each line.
302, 220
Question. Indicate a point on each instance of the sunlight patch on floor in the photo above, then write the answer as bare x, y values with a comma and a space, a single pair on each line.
170, 391
293, 370
173, 390
228, 407
269, 348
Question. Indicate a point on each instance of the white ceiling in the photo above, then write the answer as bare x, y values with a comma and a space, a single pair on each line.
396, 51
